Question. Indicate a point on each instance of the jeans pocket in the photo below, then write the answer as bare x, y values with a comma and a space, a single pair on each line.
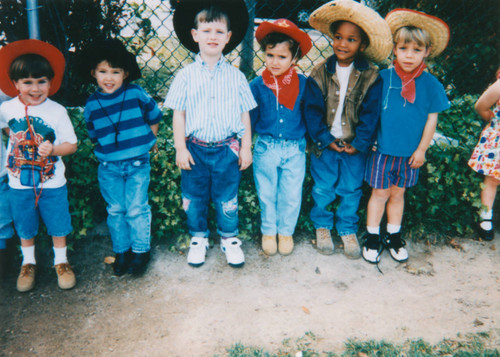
260, 147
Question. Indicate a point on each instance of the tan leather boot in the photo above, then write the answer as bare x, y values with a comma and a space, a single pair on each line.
26, 278
324, 242
285, 244
351, 246
269, 245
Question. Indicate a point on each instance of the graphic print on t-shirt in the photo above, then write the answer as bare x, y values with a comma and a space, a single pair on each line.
23, 161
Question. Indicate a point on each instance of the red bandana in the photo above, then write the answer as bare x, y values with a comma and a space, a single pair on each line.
285, 87
408, 80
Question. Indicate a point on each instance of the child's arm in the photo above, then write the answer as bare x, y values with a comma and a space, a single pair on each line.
487, 100
154, 129
48, 149
183, 158
245, 159
418, 157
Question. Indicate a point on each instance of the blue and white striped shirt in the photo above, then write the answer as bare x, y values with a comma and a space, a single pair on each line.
119, 123
212, 99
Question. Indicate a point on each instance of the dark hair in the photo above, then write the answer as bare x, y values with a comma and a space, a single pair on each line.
365, 40
211, 14
275, 38
30, 66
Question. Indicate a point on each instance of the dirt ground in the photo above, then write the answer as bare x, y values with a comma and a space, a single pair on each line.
177, 310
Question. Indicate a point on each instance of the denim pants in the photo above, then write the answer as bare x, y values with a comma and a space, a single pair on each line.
124, 185
6, 229
279, 168
337, 174
216, 176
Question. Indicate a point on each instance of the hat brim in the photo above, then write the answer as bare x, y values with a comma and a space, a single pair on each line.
438, 30
369, 20
15, 49
186, 11
295, 33
102, 50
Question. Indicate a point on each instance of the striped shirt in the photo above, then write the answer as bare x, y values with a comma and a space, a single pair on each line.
119, 123
212, 99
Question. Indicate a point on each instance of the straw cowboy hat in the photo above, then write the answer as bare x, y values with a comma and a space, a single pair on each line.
285, 27
15, 49
438, 30
186, 11
369, 20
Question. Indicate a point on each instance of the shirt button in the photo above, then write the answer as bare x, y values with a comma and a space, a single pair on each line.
333, 110
319, 143
281, 120
280, 135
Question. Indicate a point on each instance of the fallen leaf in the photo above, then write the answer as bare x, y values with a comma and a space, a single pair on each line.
456, 245
478, 322
492, 247
306, 310
109, 260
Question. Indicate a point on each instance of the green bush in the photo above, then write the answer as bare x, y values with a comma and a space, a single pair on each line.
443, 203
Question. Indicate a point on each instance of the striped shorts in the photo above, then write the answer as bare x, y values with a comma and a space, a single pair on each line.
383, 171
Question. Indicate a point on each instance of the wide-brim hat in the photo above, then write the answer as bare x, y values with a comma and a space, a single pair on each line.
438, 30
369, 20
15, 49
285, 27
106, 50
186, 11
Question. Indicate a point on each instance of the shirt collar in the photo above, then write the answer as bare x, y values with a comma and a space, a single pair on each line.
360, 63
203, 64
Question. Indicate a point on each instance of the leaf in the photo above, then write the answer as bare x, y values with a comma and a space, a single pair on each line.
109, 260
306, 310
456, 245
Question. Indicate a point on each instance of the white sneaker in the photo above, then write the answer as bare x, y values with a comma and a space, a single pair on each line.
232, 248
197, 251
372, 248
396, 247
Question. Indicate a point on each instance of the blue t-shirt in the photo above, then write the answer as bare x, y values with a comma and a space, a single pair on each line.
402, 123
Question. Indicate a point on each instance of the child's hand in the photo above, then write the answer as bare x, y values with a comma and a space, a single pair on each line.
417, 159
245, 158
45, 148
183, 159
351, 150
333, 146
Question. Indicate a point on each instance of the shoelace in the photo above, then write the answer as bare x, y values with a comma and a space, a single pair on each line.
27, 270
63, 268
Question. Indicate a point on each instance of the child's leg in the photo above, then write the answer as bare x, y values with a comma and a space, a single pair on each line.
376, 209
395, 206
488, 194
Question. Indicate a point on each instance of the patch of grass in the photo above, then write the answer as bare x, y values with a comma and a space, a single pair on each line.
471, 345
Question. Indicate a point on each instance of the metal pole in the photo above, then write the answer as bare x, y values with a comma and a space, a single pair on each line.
33, 23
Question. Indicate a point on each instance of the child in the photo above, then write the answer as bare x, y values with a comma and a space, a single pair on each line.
486, 156
40, 133
122, 119
411, 102
211, 100
279, 151
6, 230
351, 87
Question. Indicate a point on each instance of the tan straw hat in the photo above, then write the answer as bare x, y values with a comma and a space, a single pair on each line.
438, 30
369, 20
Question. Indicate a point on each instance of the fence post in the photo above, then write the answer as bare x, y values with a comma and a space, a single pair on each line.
247, 52
33, 23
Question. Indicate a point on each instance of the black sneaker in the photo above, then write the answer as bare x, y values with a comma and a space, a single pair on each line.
486, 235
396, 244
372, 248
139, 263
121, 264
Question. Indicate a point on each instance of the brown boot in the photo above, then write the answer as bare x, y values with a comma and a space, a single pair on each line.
26, 278
351, 246
269, 245
324, 242
65, 277
285, 244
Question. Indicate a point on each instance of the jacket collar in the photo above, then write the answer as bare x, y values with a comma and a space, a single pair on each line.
360, 63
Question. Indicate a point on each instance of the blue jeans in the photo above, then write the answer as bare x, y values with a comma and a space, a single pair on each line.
215, 175
337, 174
53, 208
124, 185
6, 230
279, 168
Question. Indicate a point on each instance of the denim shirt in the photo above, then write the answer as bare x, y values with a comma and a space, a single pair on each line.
274, 119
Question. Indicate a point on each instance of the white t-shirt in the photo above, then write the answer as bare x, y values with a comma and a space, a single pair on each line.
343, 74
49, 121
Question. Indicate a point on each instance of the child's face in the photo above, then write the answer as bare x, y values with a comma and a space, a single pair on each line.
279, 58
347, 43
211, 37
33, 91
410, 55
108, 78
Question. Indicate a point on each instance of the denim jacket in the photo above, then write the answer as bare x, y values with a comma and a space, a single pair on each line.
274, 119
362, 104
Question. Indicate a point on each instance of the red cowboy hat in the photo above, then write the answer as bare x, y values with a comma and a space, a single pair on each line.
15, 49
288, 28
